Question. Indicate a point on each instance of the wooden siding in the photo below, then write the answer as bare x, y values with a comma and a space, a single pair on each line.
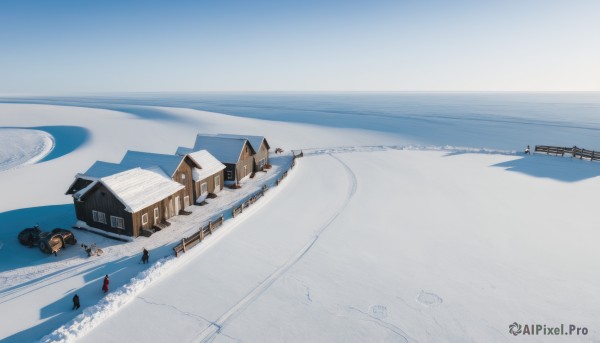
185, 168
247, 160
210, 184
163, 212
102, 200
261, 154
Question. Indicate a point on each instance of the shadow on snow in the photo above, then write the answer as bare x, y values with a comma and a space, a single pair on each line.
558, 168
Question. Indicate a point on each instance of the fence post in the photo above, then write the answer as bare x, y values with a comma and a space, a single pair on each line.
201, 233
175, 250
183, 242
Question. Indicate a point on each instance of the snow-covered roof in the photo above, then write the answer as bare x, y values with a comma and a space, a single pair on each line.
136, 188
255, 141
182, 151
225, 149
168, 163
209, 165
101, 169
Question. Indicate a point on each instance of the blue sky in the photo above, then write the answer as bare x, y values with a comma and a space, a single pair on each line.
258, 45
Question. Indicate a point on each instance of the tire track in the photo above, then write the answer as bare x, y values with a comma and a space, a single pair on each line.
209, 334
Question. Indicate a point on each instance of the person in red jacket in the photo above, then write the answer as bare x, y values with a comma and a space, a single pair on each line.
105, 284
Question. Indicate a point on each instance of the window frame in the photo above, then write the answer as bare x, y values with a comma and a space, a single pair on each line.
116, 222
101, 217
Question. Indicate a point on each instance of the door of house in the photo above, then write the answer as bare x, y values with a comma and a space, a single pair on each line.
156, 215
217, 184
186, 201
171, 208
177, 205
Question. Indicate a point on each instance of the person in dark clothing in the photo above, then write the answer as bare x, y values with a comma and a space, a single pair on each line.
145, 256
76, 302
527, 150
105, 284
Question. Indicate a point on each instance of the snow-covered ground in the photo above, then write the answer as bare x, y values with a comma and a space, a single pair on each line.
23, 147
371, 238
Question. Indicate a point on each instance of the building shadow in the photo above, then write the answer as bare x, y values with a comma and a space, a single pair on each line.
565, 169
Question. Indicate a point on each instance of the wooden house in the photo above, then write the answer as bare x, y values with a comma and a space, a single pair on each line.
209, 177
177, 168
237, 154
127, 202
260, 146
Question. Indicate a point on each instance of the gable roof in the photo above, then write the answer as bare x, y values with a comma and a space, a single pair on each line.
225, 149
136, 188
182, 151
255, 141
101, 169
168, 163
209, 165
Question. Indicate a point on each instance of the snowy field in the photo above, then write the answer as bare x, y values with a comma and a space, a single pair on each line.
372, 237
22, 147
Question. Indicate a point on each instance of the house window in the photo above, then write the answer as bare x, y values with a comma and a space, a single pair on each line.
203, 188
101, 217
229, 175
117, 222
144, 218
182, 176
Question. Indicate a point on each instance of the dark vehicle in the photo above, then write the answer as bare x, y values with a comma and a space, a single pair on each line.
52, 242
30, 237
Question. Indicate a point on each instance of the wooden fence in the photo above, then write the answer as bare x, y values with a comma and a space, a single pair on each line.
197, 237
574, 152
237, 210
208, 229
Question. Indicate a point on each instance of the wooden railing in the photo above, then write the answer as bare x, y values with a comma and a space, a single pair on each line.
574, 152
209, 228
198, 237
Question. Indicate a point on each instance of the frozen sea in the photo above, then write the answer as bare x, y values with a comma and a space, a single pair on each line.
488, 120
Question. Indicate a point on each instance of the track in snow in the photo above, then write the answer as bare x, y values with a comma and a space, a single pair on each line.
216, 326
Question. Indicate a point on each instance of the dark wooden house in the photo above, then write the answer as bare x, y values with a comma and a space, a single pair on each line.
237, 154
127, 202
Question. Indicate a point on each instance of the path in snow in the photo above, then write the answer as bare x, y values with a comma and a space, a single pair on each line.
23, 146
217, 325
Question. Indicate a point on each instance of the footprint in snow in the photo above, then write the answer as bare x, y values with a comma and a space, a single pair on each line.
428, 299
378, 311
